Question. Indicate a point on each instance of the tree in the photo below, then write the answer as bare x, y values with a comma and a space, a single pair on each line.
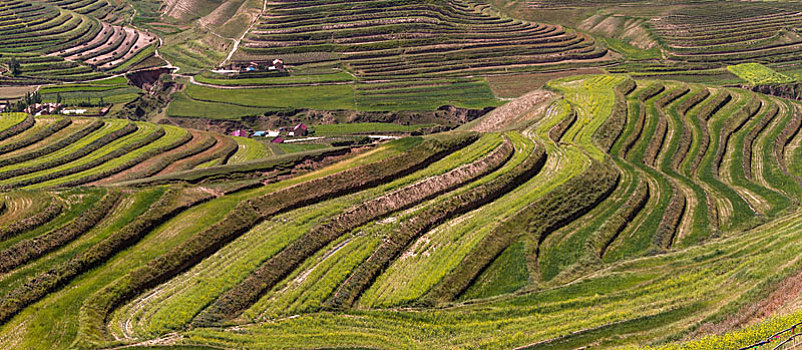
14, 66
58, 97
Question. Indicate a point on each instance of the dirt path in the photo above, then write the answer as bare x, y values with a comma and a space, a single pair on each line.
237, 87
238, 41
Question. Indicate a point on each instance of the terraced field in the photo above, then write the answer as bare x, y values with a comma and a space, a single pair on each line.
659, 203
434, 34
735, 34
638, 193
388, 56
47, 152
67, 41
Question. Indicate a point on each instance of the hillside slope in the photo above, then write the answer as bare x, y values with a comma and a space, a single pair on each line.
624, 195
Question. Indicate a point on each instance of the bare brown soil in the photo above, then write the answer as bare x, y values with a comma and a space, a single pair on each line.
529, 106
516, 85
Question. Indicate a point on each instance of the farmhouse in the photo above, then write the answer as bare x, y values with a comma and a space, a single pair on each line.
43, 108
240, 133
300, 130
278, 64
253, 66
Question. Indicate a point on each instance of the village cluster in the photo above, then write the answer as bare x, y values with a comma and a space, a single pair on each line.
36, 108
276, 136
277, 65
48, 108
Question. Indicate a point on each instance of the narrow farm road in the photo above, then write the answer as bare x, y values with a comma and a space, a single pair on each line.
237, 41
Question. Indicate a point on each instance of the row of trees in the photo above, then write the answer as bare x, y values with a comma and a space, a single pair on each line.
23, 103
14, 66
36, 97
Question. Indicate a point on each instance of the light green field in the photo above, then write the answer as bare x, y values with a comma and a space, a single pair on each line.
757, 74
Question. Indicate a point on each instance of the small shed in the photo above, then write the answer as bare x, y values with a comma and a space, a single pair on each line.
277, 139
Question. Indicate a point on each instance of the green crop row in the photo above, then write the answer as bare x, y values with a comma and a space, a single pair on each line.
27, 250
49, 213
14, 123
84, 157
130, 156
168, 206
182, 298
272, 271
248, 214
37, 136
